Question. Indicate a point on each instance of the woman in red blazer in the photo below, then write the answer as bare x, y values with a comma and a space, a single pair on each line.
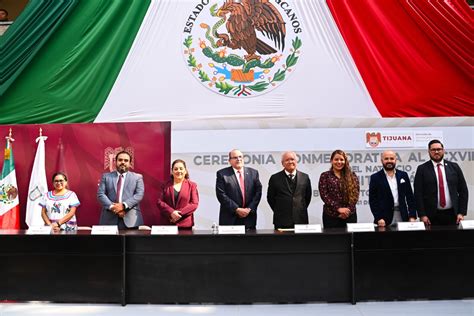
178, 198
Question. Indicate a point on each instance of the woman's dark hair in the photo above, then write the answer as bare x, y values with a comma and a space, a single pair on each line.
348, 180
59, 174
185, 168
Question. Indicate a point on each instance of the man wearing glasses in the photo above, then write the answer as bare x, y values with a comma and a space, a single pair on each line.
238, 190
120, 193
440, 189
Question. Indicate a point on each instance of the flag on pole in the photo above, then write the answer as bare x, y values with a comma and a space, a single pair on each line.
38, 185
9, 202
60, 161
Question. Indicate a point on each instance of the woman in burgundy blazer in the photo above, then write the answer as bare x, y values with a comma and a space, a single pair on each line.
178, 198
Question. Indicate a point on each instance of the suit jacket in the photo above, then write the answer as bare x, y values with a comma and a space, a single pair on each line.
289, 207
187, 203
230, 197
133, 191
426, 188
381, 198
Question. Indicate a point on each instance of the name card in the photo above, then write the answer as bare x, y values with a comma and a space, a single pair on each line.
313, 228
231, 229
402, 226
164, 230
467, 224
360, 227
39, 230
104, 230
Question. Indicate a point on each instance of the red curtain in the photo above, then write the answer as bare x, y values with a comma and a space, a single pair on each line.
85, 150
415, 56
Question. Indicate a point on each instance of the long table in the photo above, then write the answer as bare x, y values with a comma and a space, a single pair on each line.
257, 267
433, 264
61, 268
260, 266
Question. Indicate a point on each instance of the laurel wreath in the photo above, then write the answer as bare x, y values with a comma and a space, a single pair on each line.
4, 194
235, 60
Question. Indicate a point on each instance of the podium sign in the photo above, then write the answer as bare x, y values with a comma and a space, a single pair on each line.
104, 230
39, 230
314, 228
360, 227
231, 229
164, 230
403, 226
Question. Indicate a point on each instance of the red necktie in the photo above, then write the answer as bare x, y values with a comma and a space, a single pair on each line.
442, 196
242, 187
119, 189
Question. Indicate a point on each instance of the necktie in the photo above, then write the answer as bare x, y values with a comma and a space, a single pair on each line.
292, 182
242, 187
119, 189
442, 195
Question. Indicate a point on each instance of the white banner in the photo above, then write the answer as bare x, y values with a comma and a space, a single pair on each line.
38, 186
181, 66
205, 152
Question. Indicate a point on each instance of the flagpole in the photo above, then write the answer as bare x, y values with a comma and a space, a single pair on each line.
9, 138
38, 184
9, 203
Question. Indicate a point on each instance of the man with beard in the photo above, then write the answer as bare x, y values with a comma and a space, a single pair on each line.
120, 193
440, 189
391, 197
289, 193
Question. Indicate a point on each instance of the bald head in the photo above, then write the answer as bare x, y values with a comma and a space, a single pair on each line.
236, 159
389, 160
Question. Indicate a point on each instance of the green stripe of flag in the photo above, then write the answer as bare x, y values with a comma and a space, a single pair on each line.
8, 163
70, 78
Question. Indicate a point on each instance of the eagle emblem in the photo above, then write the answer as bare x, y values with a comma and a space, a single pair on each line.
246, 17
8, 193
242, 48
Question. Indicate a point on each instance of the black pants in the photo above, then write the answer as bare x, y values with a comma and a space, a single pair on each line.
336, 222
443, 217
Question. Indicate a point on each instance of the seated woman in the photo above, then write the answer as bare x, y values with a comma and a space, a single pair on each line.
60, 205
339, 189
178, 198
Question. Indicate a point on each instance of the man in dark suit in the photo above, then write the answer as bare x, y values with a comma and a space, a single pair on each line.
120, 193
391, 198
289, 194
239, 191
440, 189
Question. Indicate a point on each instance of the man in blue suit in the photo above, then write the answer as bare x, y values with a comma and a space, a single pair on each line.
391, 197
120, 193
238, 190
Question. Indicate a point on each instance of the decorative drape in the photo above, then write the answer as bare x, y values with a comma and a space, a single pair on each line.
124, 60
72, 75
28, 34
415, 56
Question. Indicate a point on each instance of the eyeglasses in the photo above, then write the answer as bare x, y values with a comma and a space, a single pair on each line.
236, 157
59, 181
436, 149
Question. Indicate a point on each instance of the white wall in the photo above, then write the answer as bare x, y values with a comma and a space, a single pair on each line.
205, 151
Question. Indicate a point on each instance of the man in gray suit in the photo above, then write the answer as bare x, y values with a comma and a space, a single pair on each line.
120, 193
